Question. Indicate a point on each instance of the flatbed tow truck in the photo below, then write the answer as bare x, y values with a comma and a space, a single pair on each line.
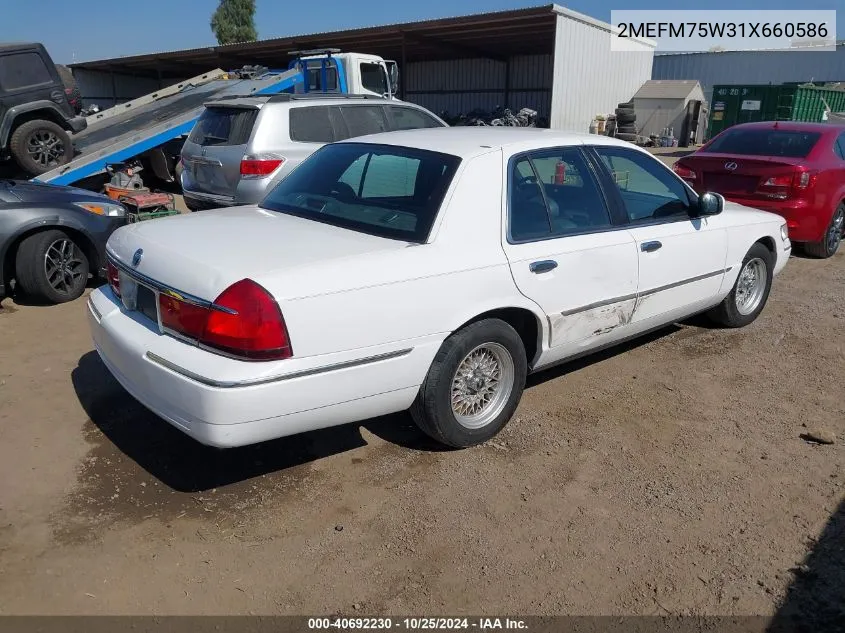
151, 129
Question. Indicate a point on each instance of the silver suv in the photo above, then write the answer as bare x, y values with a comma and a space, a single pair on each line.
242, 146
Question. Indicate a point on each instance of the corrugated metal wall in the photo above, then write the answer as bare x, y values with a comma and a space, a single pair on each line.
101, 88
590, 78
751, 67
460, 86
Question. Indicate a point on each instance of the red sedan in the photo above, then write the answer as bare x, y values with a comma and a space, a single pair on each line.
796, 170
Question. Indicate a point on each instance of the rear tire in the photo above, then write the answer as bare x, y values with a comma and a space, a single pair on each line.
832, 239
39, 146
51, 267
750, 293
473, 386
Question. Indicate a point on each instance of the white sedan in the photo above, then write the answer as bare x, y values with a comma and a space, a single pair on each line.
428, 270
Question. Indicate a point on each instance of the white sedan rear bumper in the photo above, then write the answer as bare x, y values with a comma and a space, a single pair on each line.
225, 402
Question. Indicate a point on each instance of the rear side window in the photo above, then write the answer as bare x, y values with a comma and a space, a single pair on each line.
553, 194
764, 142
315, 79
361, 120
224, 126
410, 118
312, 125
22, 70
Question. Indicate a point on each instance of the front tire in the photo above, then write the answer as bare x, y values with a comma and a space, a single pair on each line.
51, 267
473, 386
832, 236
750, 293
39, 146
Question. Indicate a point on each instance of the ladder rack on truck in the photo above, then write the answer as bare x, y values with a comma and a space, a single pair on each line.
128, 130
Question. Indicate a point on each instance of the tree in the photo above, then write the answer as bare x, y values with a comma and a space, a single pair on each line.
233, 22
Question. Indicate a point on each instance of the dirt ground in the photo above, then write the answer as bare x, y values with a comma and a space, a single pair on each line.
665, 477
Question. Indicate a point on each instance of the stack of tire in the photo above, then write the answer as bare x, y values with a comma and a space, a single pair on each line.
626, 119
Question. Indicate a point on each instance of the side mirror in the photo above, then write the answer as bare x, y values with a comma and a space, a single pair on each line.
710, 204
393, 76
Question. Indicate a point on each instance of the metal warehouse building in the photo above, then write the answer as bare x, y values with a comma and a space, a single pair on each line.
752, 67
553, 60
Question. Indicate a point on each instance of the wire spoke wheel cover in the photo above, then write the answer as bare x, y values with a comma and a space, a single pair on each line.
751, 286
482, 385
63, 265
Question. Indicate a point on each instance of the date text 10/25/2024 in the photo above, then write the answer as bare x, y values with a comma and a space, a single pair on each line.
412, 624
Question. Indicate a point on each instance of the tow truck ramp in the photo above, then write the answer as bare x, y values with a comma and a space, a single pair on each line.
128, 130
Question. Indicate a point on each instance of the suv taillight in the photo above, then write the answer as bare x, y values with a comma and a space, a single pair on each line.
249, 325
114, 278
260, 166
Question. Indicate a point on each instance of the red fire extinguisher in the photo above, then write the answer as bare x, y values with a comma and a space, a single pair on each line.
560, 172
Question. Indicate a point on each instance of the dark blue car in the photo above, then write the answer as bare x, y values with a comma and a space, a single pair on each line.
53, 238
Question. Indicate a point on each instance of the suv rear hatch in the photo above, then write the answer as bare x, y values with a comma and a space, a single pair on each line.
217, 144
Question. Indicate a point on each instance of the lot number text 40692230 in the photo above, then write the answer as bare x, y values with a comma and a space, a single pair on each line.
414, 624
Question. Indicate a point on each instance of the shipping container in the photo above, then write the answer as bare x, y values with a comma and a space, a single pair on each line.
787, 102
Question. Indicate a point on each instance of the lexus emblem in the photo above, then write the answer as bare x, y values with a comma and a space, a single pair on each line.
136, 258
731, 166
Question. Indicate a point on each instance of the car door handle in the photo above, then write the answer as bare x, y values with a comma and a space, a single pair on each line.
542, 266
650, 247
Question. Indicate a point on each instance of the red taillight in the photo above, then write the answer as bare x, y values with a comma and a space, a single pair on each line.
798, 178
684, 172
114, 278
182, 317
804, 180
251, 327
258, 167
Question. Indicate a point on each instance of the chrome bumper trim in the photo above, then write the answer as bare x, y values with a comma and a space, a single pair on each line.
225, 384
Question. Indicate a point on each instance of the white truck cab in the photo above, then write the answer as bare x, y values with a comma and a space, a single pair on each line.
329, 70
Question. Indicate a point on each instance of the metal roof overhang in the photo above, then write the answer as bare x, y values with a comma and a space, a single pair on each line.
490, 35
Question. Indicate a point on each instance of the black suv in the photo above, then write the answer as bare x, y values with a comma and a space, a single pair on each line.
36, 115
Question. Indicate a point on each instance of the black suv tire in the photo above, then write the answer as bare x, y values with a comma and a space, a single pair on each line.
39, 134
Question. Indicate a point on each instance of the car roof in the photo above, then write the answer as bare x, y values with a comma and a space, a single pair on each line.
468, 141
11, 46
297, 100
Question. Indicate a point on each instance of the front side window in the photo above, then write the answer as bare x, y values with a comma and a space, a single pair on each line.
648, 190
554, 194
382, 190
373, 78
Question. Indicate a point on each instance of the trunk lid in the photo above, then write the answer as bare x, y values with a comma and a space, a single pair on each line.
213, 151
739, 176
204, 253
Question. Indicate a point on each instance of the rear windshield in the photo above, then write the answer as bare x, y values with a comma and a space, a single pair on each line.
757, 142
224, 126
382, 190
